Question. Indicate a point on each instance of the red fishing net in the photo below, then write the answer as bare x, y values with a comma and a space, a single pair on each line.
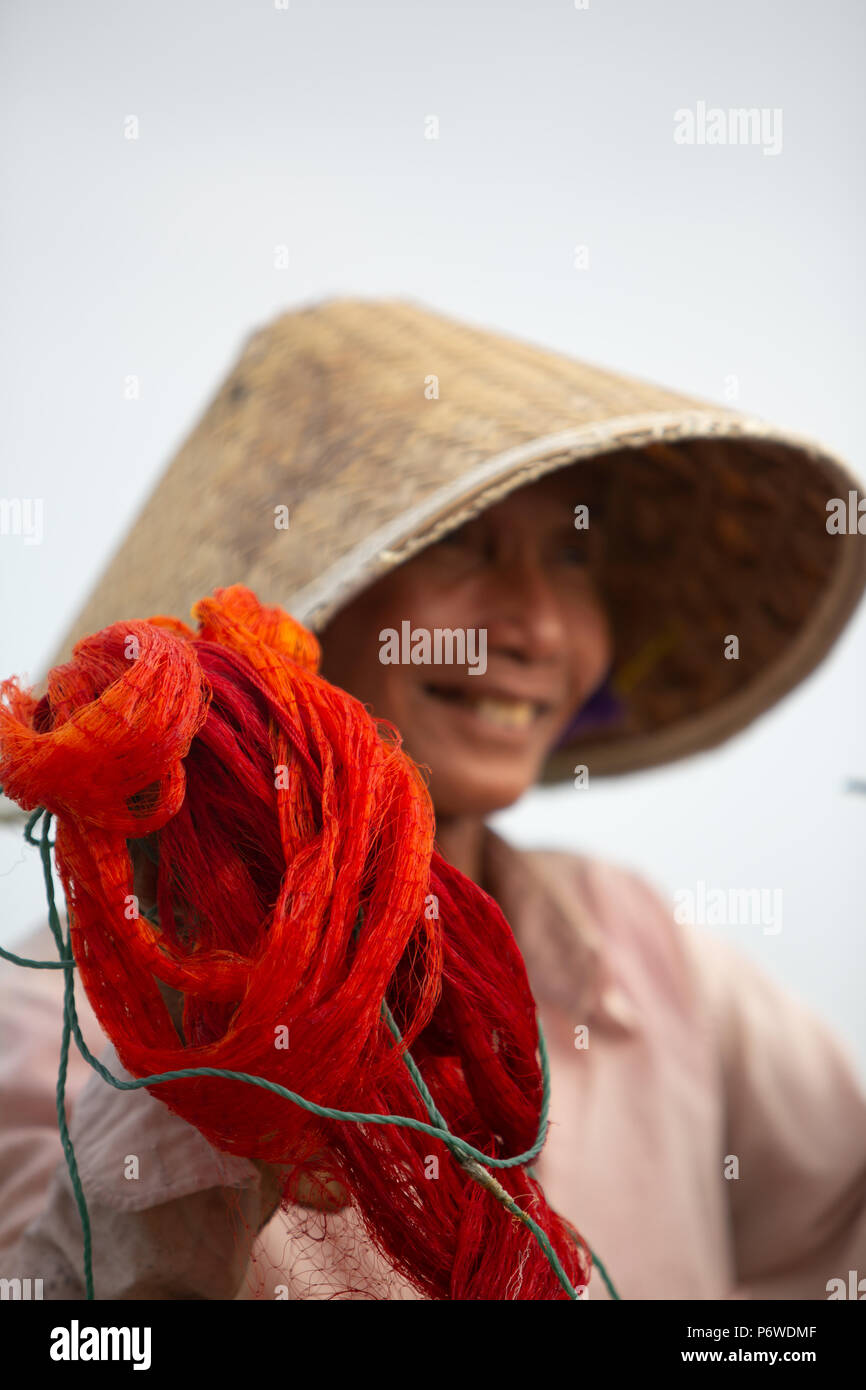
297, 889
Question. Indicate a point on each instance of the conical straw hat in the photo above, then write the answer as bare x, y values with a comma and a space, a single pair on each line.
372, 427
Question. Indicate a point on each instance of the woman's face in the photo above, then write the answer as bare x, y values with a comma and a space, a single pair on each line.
521, 572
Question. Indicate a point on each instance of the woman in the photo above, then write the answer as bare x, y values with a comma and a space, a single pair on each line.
385, 473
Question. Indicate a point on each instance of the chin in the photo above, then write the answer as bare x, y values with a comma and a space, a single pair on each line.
478, 796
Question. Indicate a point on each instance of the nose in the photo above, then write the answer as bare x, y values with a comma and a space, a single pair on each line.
525, 613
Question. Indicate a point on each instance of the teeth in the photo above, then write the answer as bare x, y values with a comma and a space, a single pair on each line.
515, 713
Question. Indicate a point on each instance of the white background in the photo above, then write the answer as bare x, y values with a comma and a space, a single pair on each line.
305, 127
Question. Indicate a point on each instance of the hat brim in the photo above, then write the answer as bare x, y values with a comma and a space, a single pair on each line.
735, 546
380, 425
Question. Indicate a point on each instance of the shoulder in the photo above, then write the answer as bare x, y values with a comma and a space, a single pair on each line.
608, 887
757, 1024
630, 920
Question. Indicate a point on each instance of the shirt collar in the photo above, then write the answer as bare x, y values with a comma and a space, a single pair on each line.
561, 939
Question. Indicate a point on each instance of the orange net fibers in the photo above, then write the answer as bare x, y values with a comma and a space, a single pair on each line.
297, 888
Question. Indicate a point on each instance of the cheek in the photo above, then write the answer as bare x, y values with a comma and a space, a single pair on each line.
350, 660
593, 646
387, 692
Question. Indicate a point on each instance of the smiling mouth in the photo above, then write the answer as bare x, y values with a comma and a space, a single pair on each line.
509, 712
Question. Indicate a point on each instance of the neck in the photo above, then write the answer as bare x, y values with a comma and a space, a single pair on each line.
459, 839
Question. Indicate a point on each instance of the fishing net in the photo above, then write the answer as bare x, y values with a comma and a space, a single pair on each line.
314, 987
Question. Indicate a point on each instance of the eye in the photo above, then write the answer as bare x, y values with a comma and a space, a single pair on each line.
466, 545
574, 553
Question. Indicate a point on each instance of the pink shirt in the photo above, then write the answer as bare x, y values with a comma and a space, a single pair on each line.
709, 1141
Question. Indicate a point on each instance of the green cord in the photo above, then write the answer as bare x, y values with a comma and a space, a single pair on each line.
475, 1162
476, 1170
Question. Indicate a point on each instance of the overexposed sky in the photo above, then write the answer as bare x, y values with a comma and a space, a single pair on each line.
304, 127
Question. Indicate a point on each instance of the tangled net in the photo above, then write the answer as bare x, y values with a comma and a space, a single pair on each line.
313, 931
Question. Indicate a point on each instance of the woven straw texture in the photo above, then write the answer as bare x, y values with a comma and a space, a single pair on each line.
380, 425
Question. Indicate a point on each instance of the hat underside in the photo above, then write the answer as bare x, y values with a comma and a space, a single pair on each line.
705, 540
